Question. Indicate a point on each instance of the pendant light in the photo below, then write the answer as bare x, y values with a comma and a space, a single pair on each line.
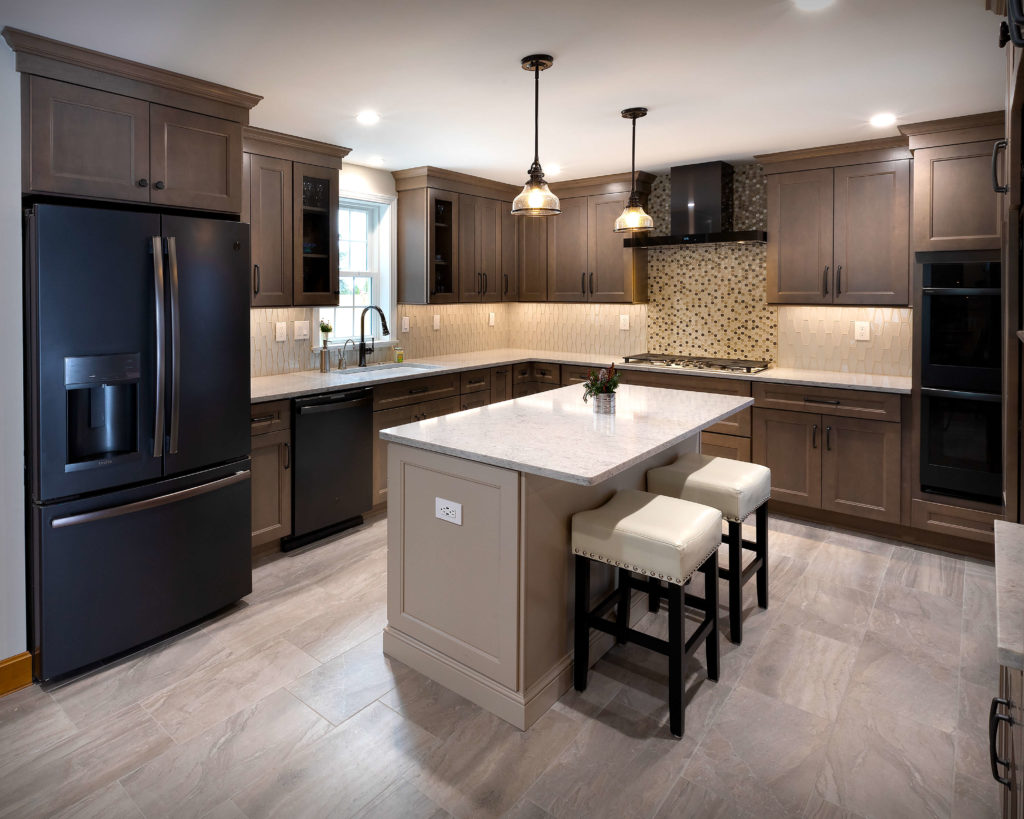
633, 217
536, 199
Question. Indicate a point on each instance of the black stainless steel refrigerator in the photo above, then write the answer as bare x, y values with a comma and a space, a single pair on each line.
137, 427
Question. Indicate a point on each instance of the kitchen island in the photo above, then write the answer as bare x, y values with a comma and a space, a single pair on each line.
479, 516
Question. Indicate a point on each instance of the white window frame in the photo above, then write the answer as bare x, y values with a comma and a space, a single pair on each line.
381, 255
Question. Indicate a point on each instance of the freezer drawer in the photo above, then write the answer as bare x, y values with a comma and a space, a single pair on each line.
113, 575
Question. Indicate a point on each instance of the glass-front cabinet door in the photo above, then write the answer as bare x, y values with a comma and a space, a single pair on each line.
315, 229
442, 251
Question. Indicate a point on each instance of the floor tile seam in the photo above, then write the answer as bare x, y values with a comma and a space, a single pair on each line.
331, 722
700, 741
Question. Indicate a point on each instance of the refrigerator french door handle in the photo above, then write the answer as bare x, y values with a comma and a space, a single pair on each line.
161, 364
150, 503
172, 255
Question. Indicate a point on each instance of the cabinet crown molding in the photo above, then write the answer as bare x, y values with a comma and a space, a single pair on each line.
608, 183
828, 156
70, 63
429, 176
955, 130
286, 146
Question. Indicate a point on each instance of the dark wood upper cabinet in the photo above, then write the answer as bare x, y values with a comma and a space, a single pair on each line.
314, 235
270, 220
616, 273
532, 261
800, 237
509, 249
479, 249
955, 206
84, 142
195, 161
568, 243
871, 236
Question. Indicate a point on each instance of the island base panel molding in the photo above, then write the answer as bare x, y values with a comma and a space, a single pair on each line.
453, 621
15, 672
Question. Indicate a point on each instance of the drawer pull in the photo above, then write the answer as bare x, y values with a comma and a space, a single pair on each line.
475, 383
994, 718
831, 402
418, 390
263, 419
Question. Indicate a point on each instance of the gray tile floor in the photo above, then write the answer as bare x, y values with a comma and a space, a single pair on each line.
861, 691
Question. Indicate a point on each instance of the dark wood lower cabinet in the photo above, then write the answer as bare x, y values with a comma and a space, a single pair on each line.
725, 446
271, 486
501, 384
787, 443
860, 468
846, 465
1007, 736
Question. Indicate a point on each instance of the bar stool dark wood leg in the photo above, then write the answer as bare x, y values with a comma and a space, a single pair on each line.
711, 647
676, 659
761, 550
653, 596
735, 582
622, 607
581, 629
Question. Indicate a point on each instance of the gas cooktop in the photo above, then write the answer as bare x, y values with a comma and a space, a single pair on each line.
697, 362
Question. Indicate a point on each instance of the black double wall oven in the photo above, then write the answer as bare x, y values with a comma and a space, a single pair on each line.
961, 375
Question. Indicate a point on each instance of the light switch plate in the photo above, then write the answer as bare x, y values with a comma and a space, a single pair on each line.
281, 331
624, 321
490, 319
862, 331
437, 322
301, 330
448, 511
405, 324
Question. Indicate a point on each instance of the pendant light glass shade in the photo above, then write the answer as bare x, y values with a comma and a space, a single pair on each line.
633, 218
536, 199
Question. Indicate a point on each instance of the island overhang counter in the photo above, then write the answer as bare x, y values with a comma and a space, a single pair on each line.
483, 605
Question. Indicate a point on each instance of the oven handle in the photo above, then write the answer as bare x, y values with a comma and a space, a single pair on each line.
960, 291
967, 396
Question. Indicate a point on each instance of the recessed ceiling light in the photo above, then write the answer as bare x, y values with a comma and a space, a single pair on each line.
368, 117
812, 5
376, 161
883, 120
553, 169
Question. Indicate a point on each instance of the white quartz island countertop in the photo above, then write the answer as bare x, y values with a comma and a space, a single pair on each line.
556, 435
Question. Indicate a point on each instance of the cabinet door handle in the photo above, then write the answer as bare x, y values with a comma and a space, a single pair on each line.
287, 456
583, 284
994, 718
484, 291
158, 185
828, 438
506, 283
1000, 145
256, 278
839, 280
142, 183
591, 284
824, 281
814, 436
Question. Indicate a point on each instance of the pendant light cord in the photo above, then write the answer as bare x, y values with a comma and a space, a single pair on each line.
632, 172
536, 113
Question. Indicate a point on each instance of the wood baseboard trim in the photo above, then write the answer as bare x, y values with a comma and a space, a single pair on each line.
15, 672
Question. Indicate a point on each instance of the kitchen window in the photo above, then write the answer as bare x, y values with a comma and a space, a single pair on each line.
364, 268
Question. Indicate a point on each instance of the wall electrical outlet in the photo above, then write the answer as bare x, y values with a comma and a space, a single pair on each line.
281, 331
624, 321
301, 330
447, 510
862, 331
437, 322
405, 324
490, 319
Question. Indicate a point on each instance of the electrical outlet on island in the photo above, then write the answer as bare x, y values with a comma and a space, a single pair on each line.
448, 511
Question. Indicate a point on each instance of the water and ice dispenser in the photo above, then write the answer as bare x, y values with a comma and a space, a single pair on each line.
102, 408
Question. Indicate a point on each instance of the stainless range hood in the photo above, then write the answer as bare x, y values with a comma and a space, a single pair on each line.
702, 202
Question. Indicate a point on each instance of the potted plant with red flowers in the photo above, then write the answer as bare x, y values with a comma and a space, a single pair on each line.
601, 387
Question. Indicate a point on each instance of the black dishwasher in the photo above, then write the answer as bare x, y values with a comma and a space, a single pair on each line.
332, 477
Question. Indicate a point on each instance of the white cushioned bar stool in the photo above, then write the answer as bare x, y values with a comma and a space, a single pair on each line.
662, 538
736, 489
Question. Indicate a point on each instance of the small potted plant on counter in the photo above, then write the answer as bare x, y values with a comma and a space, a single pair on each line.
325, 330
601, 387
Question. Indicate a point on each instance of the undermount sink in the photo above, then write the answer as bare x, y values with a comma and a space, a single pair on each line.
390, 366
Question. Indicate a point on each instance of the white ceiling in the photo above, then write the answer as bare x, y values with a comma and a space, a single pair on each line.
722, 80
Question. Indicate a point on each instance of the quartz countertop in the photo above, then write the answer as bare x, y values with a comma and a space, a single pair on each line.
556, 435
310, 382
1009, 555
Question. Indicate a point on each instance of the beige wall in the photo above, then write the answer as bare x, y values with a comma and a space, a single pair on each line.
12, 498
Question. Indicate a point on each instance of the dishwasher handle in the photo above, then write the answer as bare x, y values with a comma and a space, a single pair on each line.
335, 403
